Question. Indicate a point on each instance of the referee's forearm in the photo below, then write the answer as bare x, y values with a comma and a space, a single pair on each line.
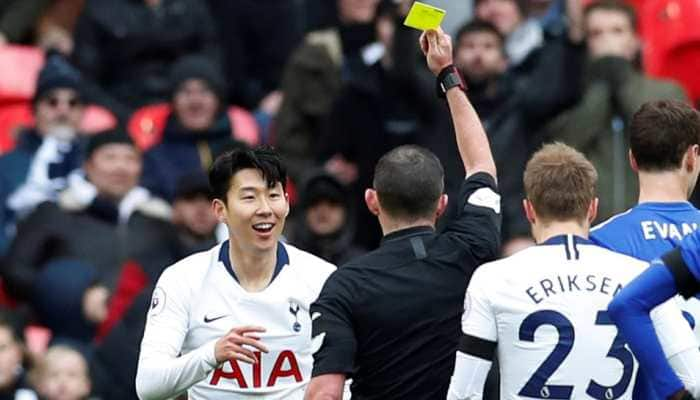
472, 141
325, 387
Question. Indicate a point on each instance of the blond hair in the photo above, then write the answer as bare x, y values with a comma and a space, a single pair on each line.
560, 183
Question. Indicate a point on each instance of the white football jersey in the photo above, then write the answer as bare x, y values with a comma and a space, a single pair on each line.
546, 307
198, 300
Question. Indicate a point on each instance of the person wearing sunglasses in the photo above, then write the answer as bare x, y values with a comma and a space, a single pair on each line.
36, 170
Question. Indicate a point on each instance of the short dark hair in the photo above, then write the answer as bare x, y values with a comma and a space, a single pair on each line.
103, 138
612, 5
264, 158
661, 132
479, 26
409, 180
560, 183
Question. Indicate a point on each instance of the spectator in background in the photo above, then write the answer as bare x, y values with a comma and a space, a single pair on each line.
127, 47
615, 88
62, 374
13, 378
55, 27
197, 128
325, 222
113, 363
480, 55
312, 80
36, 169
17, 19
67, 255
257, 38
192, 214
544, 65
381, 107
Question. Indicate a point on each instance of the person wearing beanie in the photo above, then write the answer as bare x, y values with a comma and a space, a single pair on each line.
197, 128
325, 223
314, 75
67, 255
36, 169
192, 213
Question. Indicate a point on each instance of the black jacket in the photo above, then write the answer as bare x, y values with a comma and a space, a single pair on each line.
127, 47
90, 233
508, 130
391, 318
337, 247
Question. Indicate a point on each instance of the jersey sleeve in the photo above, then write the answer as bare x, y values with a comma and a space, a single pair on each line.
333, 337
477, 226
477, 345
651, 338
479, 319
673, 330
162, 371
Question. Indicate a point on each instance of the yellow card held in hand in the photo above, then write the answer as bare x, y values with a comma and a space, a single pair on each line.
424, 16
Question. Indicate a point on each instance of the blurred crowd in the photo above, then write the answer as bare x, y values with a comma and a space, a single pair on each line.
104, 158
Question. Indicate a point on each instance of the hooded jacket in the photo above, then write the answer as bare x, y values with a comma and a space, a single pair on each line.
85, 227
336, 248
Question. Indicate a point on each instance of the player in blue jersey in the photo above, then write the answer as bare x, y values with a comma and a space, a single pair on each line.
677, 272
664, 150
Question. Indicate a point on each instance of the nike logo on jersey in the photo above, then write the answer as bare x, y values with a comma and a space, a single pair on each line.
208, 320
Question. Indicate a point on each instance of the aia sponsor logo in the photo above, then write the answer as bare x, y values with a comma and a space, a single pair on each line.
285, 366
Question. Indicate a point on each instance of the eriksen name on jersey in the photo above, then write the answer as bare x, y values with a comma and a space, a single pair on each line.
572, 283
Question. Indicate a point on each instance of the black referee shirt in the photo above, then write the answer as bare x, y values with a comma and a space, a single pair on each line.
391, 319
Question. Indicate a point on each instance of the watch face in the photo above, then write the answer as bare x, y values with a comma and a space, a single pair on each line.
451, 80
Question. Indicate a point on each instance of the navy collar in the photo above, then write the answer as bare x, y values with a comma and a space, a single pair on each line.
408, 232
570, 244
562, 239
282, 260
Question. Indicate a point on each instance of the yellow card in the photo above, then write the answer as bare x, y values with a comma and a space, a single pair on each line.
424, 16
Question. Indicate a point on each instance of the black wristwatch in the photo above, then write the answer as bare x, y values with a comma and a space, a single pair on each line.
448, 78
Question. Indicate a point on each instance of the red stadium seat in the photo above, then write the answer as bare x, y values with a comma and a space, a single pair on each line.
13, 118
97, 119
37, 339
19, 67
683, 65
671, 35
146, 125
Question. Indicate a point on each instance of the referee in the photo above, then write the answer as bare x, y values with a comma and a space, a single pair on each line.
390, 320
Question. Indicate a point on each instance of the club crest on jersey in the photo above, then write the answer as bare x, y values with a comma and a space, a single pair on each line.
294, 310
157, 302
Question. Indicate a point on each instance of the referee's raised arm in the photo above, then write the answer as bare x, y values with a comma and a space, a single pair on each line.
471, 138
375, 320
